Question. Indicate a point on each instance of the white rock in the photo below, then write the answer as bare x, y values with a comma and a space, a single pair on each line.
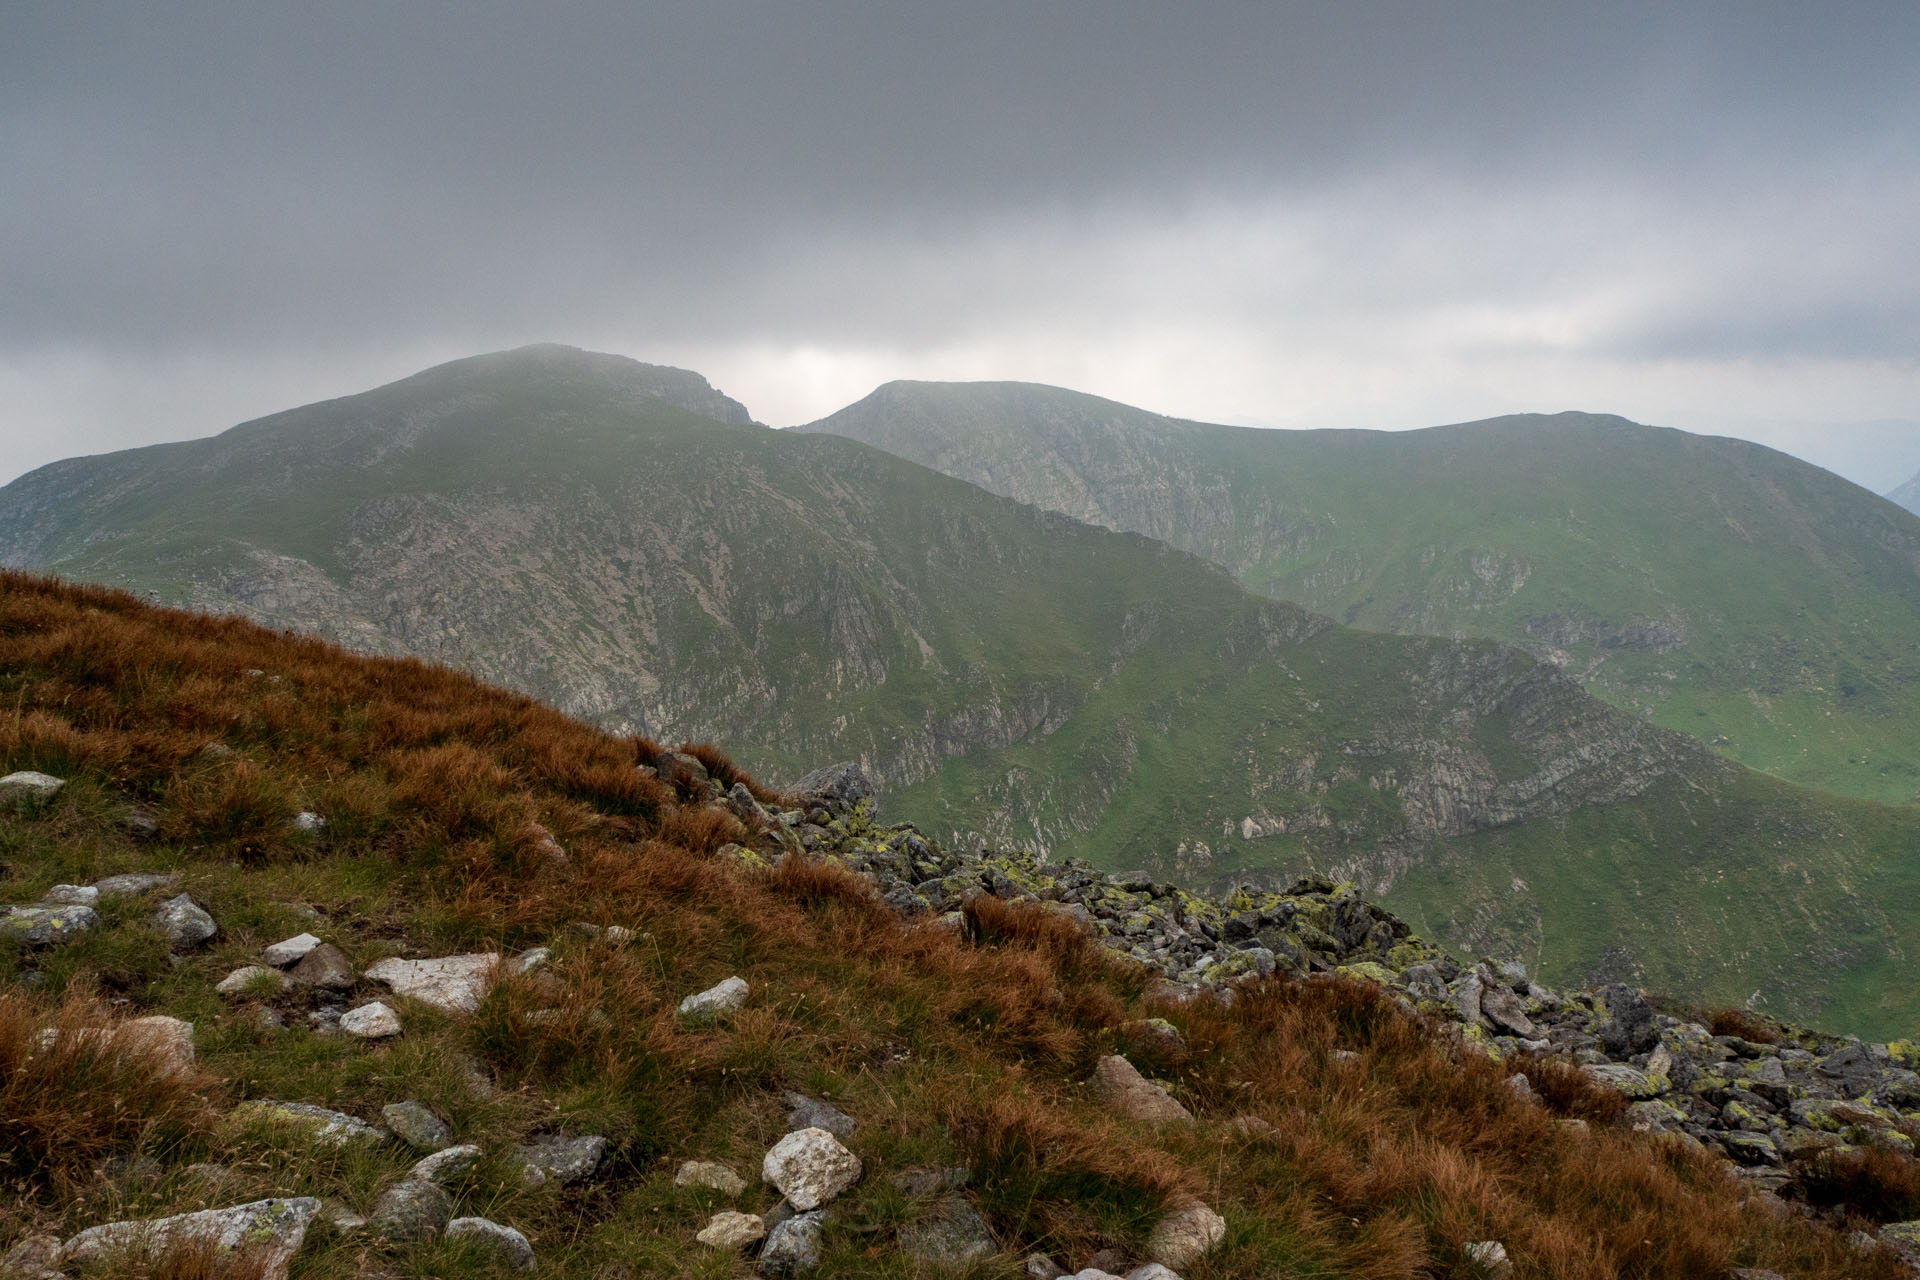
289, 952
1491, 1257
453, 983
732, 1231
273, 1229
241, 981
309, 822
1151, 1271
371, 1022
715, 1000
1185, 1235
29, 787
708, 1173
810, 1167
71, 895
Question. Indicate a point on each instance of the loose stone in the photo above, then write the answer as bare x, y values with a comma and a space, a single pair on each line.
371, 1022
705, 1006
504, 1242
810, 1167
732, 1231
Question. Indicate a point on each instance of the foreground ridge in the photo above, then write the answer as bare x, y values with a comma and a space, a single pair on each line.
322, 967
1765, 1095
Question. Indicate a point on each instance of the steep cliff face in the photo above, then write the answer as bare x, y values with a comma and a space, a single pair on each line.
1762, 605
549, 523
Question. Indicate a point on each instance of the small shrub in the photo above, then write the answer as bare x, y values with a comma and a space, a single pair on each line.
1879, 1186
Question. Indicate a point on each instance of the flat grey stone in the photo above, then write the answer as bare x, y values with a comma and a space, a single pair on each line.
562, 1158
31, 1258
810, 1167
327, 1128
272, 1228
134, 883
70, 895
44, 926
324, 967
415, 1124
448, 1165
453, 983
793, 1246
411, 1210
804, 1112
721, 998
289, 951
371, 1022
506, 1243
185, 922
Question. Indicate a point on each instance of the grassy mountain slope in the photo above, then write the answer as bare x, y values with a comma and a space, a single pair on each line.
1334, 1134
1723, 589
1907, 495
1001, 670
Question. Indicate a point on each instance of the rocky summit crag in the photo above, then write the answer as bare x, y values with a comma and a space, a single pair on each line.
1769, 1105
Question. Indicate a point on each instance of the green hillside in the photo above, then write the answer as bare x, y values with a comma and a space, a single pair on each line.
548, 520
1718, 587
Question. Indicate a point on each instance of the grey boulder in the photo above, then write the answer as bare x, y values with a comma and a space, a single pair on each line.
411, 1210
185, 922
44, 926
503, 1242
271, 1230
561, 1158
793, 1247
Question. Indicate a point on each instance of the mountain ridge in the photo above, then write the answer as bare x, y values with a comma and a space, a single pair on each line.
1782, 635
1004, 669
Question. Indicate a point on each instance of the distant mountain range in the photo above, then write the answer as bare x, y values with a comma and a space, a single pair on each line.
1907, 495
1718, 587
622, 541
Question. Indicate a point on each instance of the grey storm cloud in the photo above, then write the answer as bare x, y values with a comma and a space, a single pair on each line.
1301, 214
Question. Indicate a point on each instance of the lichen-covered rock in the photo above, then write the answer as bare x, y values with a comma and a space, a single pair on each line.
732, 1231
134, 883
271, 1231
44, 926
70, 895
453, 983
185, 922
447, 1166
503, 1242
325, 1128
1132, 1095
561, 1158
793, 1246
705, 1006
415, 1124
951, 1235
33, 1257
415, 1209
810, 1167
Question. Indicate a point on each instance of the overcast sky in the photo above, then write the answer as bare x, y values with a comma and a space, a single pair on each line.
1329, 214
